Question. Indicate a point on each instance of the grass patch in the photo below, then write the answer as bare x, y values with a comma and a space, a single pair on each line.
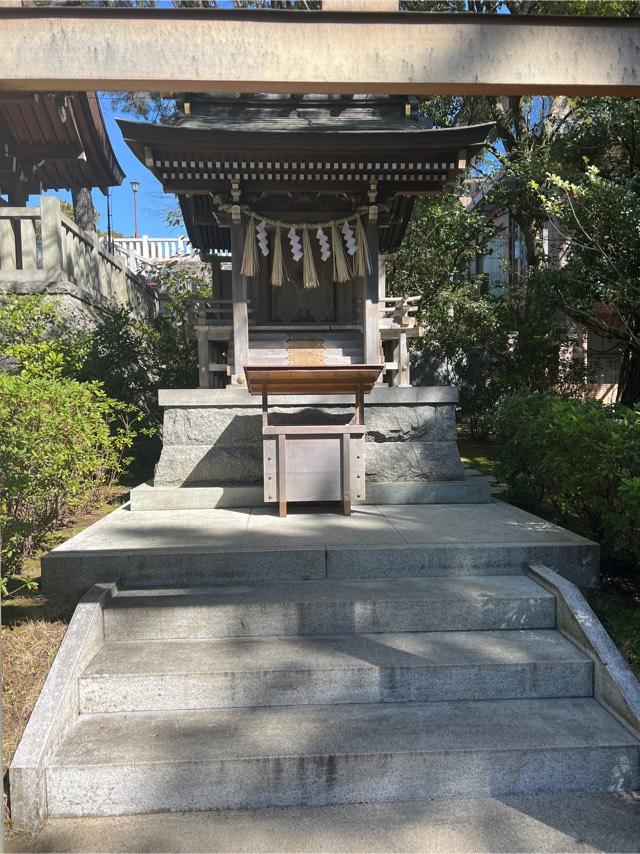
28, 651
477, 454
32, 605
617, 606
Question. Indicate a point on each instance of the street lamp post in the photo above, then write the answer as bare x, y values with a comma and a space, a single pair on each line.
135, 186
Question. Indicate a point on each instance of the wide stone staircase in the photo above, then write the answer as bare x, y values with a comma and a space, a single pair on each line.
331, 692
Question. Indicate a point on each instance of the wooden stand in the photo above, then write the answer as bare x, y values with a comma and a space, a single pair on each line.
313, 462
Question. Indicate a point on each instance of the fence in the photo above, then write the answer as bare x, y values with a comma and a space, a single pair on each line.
42, 249
142, 252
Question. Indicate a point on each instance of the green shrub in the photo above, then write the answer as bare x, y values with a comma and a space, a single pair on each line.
133, 358
35, 338
61, 444
579, 459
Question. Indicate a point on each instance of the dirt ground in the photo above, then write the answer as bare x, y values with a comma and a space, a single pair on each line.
33, 626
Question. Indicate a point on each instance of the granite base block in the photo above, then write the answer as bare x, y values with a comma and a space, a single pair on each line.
148, 496
214, 439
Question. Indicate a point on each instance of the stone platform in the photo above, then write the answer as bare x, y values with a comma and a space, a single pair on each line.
212, 447
543, 823
248, 545
474, 489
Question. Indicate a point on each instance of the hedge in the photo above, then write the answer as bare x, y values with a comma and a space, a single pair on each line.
580, 460
61, 443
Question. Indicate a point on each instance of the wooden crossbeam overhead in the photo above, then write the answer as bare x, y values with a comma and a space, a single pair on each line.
55, 48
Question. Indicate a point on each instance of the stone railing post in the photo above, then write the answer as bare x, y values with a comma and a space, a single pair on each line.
54, 249
28, 246
8, 254
96, 264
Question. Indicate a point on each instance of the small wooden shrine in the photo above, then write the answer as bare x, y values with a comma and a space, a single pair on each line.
309, 194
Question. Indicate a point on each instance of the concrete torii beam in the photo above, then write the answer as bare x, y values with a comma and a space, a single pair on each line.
209, 50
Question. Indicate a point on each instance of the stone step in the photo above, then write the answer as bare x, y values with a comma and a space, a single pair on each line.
348, 345
258, 339
285, 359
466, 603
127, 676
213, 759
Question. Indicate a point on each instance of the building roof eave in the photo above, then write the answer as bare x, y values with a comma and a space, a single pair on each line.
138, 134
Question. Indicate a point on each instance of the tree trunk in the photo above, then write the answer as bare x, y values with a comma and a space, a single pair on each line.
629, 379
534, 244
84, 213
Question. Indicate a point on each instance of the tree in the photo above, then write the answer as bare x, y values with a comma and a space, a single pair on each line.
539, 136
84, 213
490, 344
600, 284
144, 105
608, 135
529, 140
598, 8
533, 135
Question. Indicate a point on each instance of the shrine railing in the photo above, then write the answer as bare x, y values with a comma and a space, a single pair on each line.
398, 312
43, 250
213, 312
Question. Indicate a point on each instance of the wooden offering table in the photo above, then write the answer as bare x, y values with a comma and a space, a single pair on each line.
313, 462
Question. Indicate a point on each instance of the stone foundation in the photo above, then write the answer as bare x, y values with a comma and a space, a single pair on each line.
213, 437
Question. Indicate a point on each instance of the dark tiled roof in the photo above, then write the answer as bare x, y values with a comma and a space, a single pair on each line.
301, 123
71, 153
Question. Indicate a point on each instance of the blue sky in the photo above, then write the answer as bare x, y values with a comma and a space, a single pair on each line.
152, 202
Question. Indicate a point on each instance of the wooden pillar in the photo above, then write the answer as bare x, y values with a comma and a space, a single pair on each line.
239, 296
382, 276
402, 375
359, 410
345, 451
371, 292
216, 278
203, 358
282, 474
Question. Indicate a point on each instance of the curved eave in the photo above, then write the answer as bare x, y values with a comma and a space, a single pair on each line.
97, 131
177, 155
139, 134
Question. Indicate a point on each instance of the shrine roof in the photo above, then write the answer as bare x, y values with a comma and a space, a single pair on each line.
308, 153
59, 141
261, 134
261, 122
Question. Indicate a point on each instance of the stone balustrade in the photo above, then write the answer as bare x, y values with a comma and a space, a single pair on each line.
142, 252
42, 250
